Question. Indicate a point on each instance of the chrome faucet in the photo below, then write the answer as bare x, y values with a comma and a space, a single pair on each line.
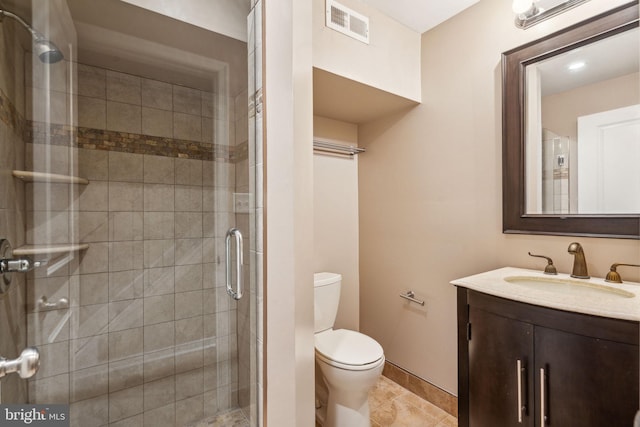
579, 261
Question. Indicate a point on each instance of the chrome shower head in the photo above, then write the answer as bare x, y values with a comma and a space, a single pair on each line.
46, 50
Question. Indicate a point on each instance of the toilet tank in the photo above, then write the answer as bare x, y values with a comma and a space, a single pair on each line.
326, 290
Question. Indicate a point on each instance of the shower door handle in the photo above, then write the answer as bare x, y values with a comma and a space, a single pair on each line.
236, 235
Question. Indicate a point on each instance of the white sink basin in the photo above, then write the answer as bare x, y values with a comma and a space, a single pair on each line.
578, 287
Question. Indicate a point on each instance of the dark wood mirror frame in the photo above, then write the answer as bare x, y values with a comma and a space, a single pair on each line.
515, 220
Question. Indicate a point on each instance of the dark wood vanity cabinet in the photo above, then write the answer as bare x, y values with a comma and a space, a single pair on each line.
525, 365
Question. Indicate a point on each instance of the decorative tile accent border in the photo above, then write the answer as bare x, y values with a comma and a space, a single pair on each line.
99, 139
442, 399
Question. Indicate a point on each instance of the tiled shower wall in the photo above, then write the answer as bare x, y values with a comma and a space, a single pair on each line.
12, 210
150, 334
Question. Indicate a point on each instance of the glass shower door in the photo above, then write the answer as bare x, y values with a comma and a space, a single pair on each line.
126, 160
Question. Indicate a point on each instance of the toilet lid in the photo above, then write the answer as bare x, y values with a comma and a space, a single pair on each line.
348, 347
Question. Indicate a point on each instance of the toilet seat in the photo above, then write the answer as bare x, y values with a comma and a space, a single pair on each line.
349, 350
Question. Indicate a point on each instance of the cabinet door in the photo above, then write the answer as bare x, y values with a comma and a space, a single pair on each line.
495, 385
589, 382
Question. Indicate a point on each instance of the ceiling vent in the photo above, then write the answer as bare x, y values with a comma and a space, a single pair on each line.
346, 21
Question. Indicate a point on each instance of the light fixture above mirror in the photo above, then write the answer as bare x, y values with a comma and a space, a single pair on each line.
531, 12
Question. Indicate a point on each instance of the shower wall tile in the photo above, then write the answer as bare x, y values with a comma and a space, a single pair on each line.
158, 198
92, 112
189, 384
88, 383
159, 253
208, 104
89, 320
52, 158
188, 225
159, 170
157, 122
159, 337
125, 226
92, 81
49, 327
125, 373
125, 314
159, 416
50, 390
125, 344
187, 100
127, 284
156, 94
158, 281
188, 172
187, 126
159, 225
94, 227
125, 167
124, 117
87, 352
94, 197
124, 256
47, 106
188, 198
125, 403
95, 259
125, 196
96, 410
189, 410
159, 309
92, 289
125, 88
188, 278
93, 164
159, 364
159, 393
47, 196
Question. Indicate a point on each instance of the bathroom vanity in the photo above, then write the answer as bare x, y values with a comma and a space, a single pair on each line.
541, 351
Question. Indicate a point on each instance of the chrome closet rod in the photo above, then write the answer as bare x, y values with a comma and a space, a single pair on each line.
332, 147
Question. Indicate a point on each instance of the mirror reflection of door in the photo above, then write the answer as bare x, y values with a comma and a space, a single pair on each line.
599, 78
608, 159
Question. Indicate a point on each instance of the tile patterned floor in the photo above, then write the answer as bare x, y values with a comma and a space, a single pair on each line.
393, 405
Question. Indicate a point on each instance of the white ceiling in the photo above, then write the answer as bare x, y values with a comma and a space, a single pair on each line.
420, 15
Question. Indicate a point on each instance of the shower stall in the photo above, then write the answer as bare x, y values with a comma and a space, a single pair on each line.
131, 210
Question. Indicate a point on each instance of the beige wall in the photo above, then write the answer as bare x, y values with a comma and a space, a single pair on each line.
335, 192
560, 111
390, 43
430, 192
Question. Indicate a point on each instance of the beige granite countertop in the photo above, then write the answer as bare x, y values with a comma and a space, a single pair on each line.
593, 296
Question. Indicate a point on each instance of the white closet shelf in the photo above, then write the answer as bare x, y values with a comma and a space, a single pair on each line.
30, 250
30, 176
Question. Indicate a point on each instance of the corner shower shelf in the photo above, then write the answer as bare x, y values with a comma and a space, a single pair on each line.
29, 176
31, 250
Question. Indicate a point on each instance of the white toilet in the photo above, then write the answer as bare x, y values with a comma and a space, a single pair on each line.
350, 362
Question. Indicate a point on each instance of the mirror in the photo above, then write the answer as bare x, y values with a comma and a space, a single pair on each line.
571, 130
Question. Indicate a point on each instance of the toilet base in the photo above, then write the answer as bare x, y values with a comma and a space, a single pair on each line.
352, 411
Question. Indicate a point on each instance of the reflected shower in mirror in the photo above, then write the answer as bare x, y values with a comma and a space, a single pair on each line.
569, 163
583, 129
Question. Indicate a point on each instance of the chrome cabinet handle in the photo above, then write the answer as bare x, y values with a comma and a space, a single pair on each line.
521, 372
237, 235
26, 365
543, 411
